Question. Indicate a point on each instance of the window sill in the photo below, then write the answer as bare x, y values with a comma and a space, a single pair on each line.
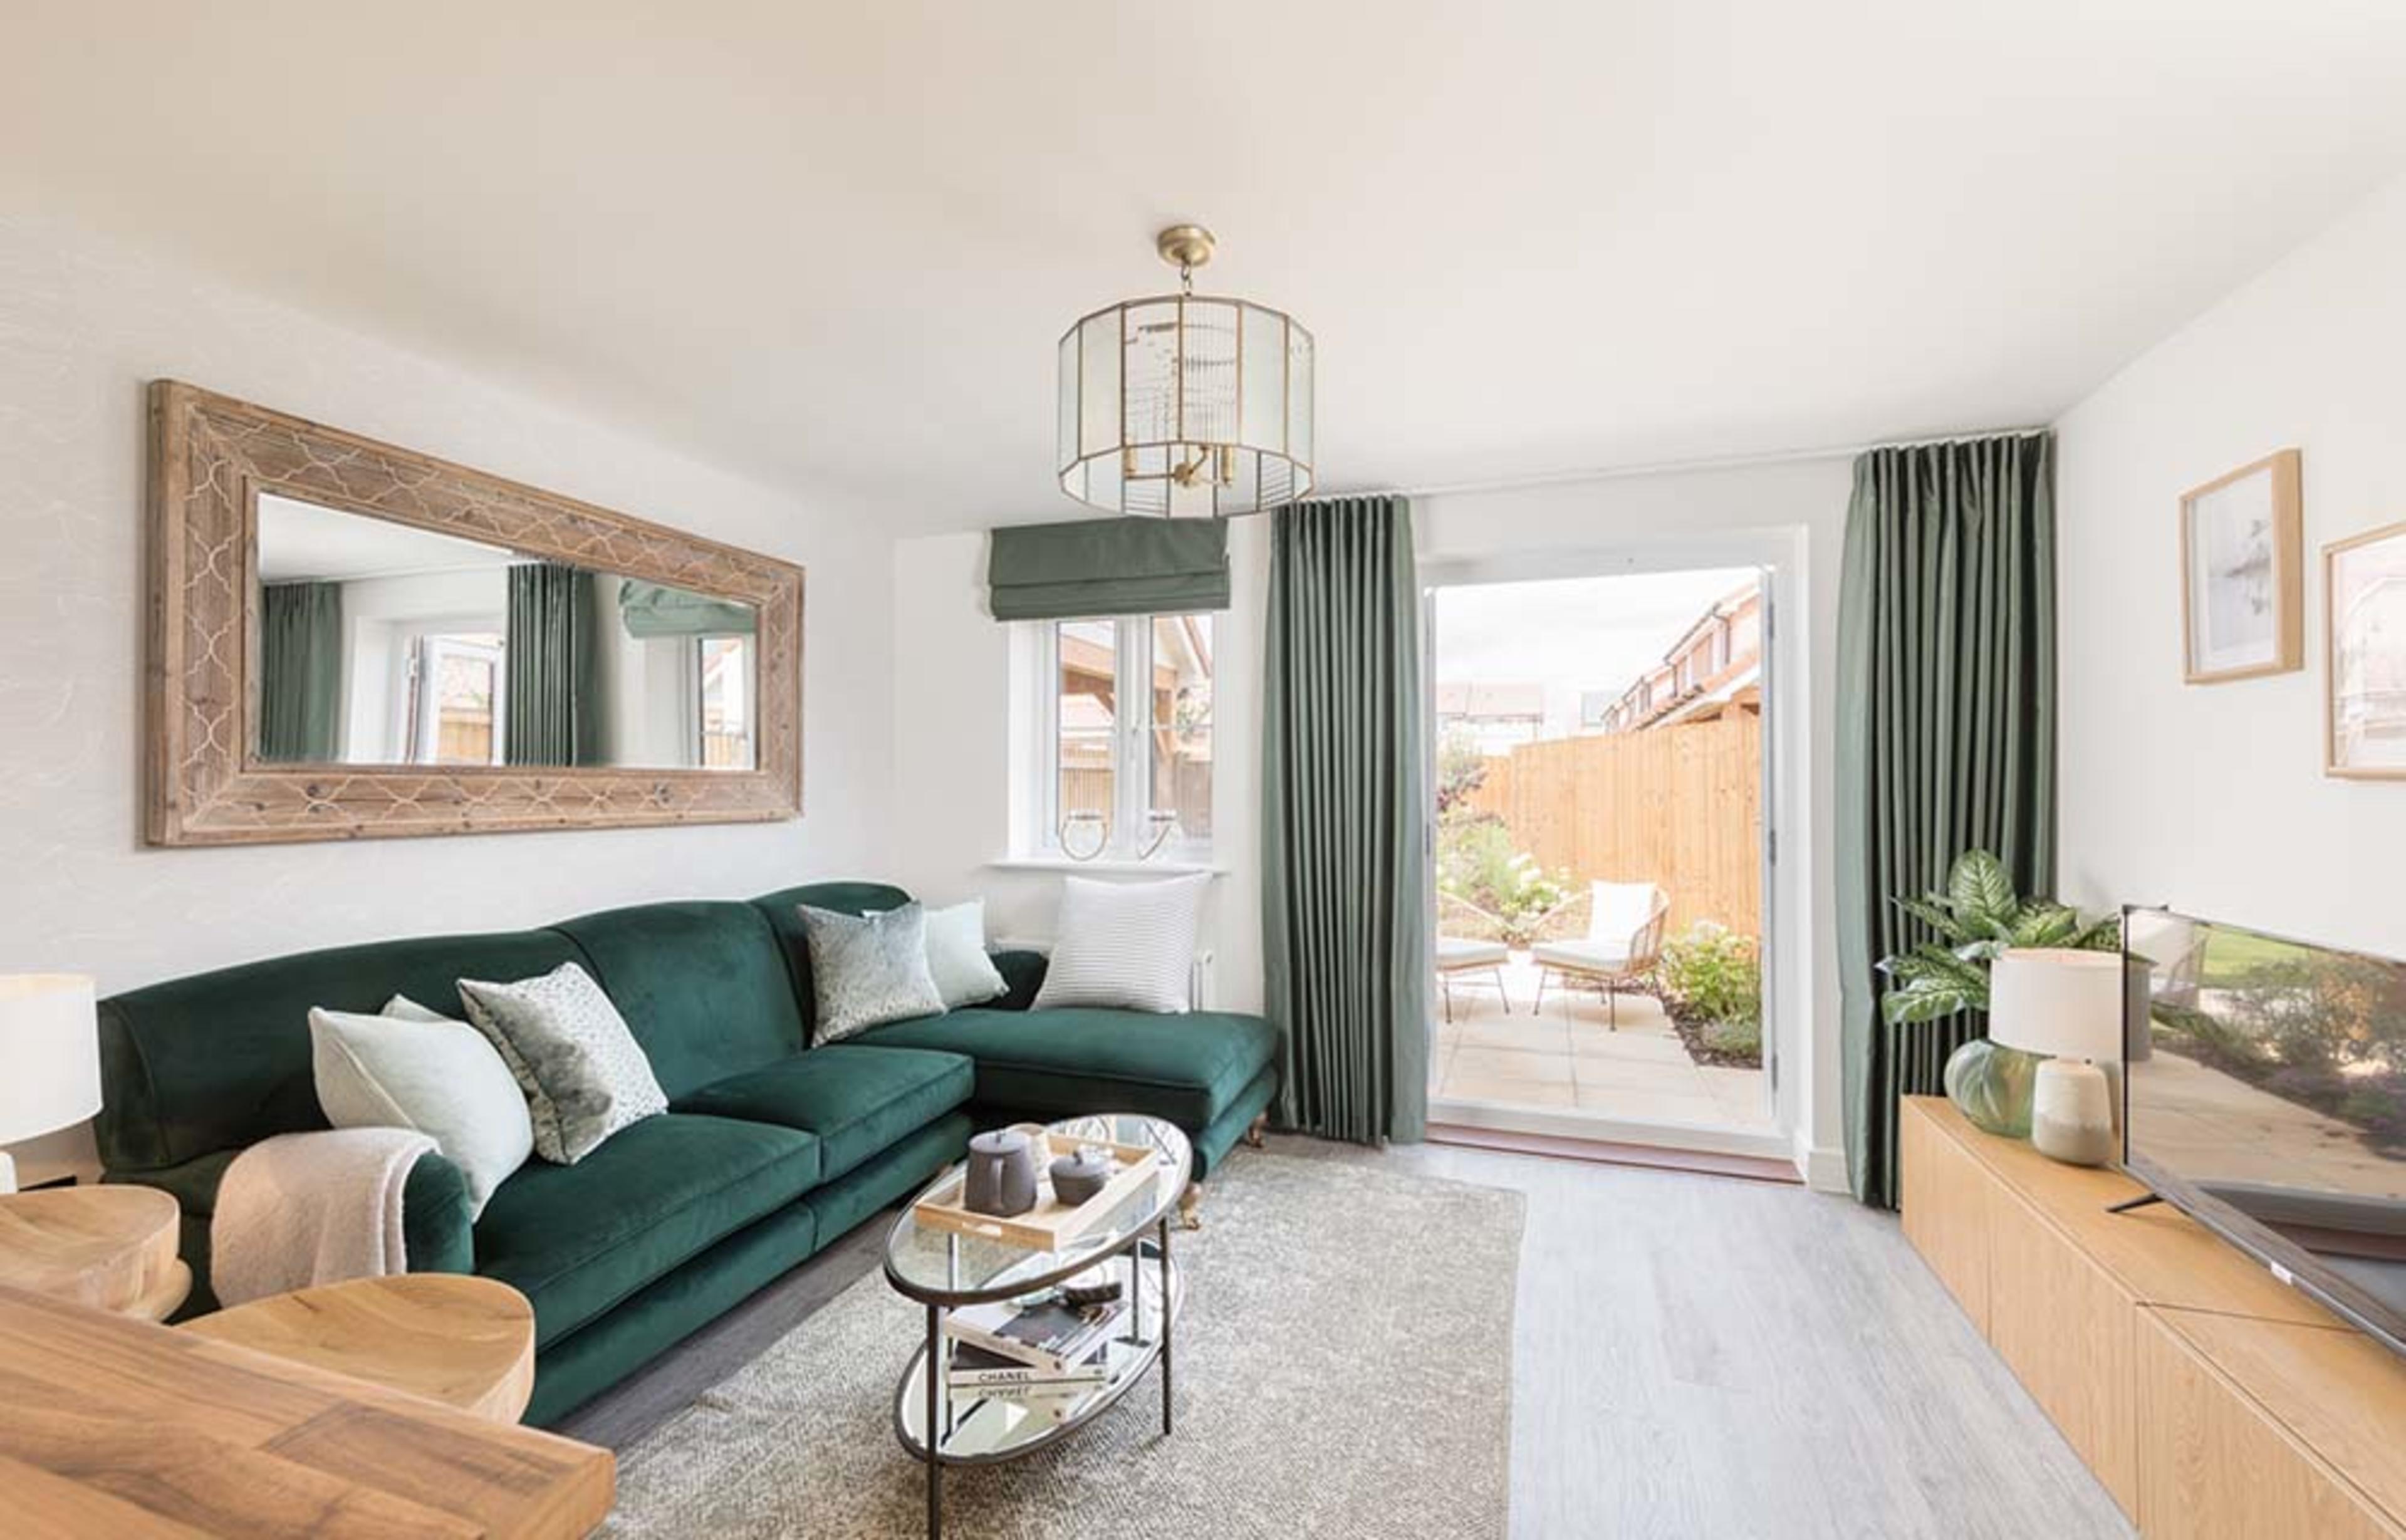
1108, 867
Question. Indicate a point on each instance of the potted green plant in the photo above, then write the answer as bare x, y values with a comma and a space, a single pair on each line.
1978, 916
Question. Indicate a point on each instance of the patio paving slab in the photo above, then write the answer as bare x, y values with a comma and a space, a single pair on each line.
1506, 1064
1509, 1093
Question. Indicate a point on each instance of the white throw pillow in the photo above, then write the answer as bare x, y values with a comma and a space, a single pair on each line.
957, 956
1125, 945
412, 1068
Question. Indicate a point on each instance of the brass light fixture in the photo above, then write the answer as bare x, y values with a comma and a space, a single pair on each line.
1185, 403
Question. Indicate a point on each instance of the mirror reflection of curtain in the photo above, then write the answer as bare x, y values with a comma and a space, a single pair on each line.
299, 671
554, 707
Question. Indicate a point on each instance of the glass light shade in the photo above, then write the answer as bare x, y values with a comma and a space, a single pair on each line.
2048, 1001
1185, 404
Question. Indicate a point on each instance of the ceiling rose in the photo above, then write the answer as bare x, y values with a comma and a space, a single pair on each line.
1185, 403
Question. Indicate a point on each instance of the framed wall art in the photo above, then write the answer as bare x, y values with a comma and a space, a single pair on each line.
2364, 649
2242, 582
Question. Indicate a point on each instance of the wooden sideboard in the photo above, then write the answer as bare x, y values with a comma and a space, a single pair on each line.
114, 1428
2209, 1399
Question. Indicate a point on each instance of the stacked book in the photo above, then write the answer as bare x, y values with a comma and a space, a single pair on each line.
1047, 1355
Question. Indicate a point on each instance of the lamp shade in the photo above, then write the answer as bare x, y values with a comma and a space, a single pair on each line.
1186, 403
50, 1053
2065, 1004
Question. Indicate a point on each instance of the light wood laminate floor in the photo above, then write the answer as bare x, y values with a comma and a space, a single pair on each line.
1693, 1356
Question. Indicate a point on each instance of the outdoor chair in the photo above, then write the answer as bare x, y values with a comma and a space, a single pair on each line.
1622, 946
1469, 941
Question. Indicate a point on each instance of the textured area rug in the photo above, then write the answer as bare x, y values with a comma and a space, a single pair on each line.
1344, 1370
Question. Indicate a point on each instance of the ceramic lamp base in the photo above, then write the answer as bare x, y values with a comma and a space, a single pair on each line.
2071, 1112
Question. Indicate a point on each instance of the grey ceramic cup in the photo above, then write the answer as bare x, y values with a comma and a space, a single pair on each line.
1079, 1177
1002, 1174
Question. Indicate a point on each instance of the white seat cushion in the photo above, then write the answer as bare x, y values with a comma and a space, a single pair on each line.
1587, 954
1454, 951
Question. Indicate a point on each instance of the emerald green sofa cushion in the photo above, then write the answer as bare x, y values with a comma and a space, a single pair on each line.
702, 985
221, 1060
1189, 1069
857, 1098
576, 1239
783, 911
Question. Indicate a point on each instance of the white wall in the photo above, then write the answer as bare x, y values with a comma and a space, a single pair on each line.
2211, 797
954, 726
84, 324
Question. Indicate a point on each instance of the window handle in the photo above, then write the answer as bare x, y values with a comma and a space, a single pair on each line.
1163, 824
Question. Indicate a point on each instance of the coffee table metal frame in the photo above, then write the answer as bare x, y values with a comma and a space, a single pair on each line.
1144, 1245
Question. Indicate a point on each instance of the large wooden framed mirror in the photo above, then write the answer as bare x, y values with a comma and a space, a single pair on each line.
349, 640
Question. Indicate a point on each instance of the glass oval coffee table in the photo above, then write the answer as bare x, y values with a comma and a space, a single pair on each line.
945, 1270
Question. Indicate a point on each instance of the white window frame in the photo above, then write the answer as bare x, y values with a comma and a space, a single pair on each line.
695, 687
1131, 744
422, 663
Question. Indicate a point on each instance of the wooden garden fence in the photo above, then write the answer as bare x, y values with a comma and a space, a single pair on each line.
1679, 806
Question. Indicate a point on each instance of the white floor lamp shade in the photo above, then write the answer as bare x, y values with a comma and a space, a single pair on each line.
49, 1058
2068, 1006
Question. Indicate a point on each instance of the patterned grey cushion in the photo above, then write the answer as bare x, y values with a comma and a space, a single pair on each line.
584, 1074
870, 968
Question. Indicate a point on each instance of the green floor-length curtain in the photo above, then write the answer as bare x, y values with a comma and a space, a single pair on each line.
299, 671
1946, 731
1344, 858
553, 713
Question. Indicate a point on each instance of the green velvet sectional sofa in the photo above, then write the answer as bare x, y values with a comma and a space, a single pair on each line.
771, 1149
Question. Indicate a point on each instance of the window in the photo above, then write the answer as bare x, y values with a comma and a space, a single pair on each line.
1125, 750
455, 699
723, 695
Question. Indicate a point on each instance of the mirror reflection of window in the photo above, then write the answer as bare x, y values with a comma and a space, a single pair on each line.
725, 691
384, 643
457, 684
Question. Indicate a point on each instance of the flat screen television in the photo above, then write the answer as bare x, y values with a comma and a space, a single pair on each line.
2264, 1092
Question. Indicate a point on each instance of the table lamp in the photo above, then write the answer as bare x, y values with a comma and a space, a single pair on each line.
2066, 1007
49, 1058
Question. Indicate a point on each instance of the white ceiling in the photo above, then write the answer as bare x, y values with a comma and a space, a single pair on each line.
833, 245
302, 540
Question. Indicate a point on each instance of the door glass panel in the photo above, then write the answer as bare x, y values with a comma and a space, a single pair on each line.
1597, 751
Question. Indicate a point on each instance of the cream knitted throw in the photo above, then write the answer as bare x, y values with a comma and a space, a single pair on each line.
302, 1209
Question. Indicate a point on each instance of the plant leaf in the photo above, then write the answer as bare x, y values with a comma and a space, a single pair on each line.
2105, 935
2043, 924
1982, 891
1933, 913
1905, 1007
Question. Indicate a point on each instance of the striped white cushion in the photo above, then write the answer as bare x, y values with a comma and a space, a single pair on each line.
1130, 945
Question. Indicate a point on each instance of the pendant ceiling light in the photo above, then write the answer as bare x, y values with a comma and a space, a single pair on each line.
1186, 403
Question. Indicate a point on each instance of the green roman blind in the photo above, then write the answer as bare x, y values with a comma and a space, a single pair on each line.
1109, 567
655, 609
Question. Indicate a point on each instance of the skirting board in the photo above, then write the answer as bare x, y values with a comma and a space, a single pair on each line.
1608, 1153
1824, 1166
1563, 1124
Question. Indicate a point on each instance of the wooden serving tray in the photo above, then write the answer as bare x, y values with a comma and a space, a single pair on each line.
1051, 1224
